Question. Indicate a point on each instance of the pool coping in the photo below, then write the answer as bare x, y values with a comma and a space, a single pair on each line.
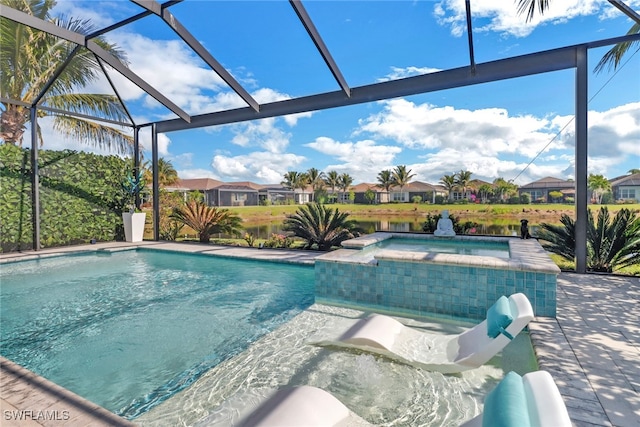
586, 385
524, 254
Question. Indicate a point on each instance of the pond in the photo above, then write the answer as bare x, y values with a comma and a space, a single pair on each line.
371, 224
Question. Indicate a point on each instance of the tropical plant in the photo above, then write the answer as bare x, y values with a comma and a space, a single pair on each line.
320, 226
598, 184
556, 196
31, 58
611, 244
401, 176
449, 183
370, 195
278, 241
132, 186
295, 180
332, 180
504, 188
385, 181
611, 59
315, 179
344, 182
167, 175
207, 220
485, 190
462, 179
169, 227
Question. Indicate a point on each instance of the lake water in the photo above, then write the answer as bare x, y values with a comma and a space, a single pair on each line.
413, 225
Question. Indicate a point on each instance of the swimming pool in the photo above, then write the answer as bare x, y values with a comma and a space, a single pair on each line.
129, 329
383, 392
414, 280
490, 248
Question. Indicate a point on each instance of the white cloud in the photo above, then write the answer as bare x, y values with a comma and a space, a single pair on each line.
195, 173
488, 131
261, 133
363, 160
400, 73
262, 167
503, 17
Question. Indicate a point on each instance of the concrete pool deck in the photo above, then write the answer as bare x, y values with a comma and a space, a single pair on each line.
591, 348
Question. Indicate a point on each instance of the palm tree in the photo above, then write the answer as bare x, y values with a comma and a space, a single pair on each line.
315, 178
332, 179
504, 187
321, 226
598, 184
207, 220
611, 59
386, 181
344, 182
462, 179
295, 180
401, 176
633, 171
449, 183
30, 58
485, 190
611, 244
167, 175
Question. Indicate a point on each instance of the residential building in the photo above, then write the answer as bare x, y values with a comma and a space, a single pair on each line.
539, 190
626, 187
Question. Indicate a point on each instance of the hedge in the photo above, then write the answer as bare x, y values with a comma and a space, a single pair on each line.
80, 197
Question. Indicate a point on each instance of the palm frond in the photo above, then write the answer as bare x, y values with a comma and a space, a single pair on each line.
613, 57
95, 134
320, 226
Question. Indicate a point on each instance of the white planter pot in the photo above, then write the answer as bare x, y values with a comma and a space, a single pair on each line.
133, 226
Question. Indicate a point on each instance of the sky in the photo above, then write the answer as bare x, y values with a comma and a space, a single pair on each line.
519, 129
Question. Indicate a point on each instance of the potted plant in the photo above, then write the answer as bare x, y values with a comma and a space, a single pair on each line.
134, 219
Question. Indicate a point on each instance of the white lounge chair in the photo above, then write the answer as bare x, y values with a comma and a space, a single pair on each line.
302, 406
444, 353
531, 400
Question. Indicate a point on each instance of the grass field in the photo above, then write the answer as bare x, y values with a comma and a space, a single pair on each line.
546, 212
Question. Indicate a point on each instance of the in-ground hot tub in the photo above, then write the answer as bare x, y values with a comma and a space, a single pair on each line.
460, 276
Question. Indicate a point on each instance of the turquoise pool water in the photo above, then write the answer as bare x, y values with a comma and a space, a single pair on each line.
128, 330
497, 249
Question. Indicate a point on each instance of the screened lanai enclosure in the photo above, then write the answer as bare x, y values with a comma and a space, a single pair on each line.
327, 87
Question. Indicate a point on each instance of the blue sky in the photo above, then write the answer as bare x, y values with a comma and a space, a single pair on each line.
494, 130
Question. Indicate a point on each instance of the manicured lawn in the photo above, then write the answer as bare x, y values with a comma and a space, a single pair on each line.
543, 211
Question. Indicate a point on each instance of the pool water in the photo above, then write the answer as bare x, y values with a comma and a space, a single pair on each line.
448, 246
129, 329
383, 392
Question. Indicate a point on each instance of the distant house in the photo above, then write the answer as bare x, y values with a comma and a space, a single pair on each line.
275, 194
626, 187
471, 192
427, 192
246, 193
235, 194
203, 185
539, 190
360, 191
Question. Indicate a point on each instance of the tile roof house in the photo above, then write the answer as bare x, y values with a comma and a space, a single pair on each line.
626, 187
539, 190
245, 193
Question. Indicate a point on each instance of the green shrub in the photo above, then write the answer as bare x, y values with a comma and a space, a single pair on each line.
80, 197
